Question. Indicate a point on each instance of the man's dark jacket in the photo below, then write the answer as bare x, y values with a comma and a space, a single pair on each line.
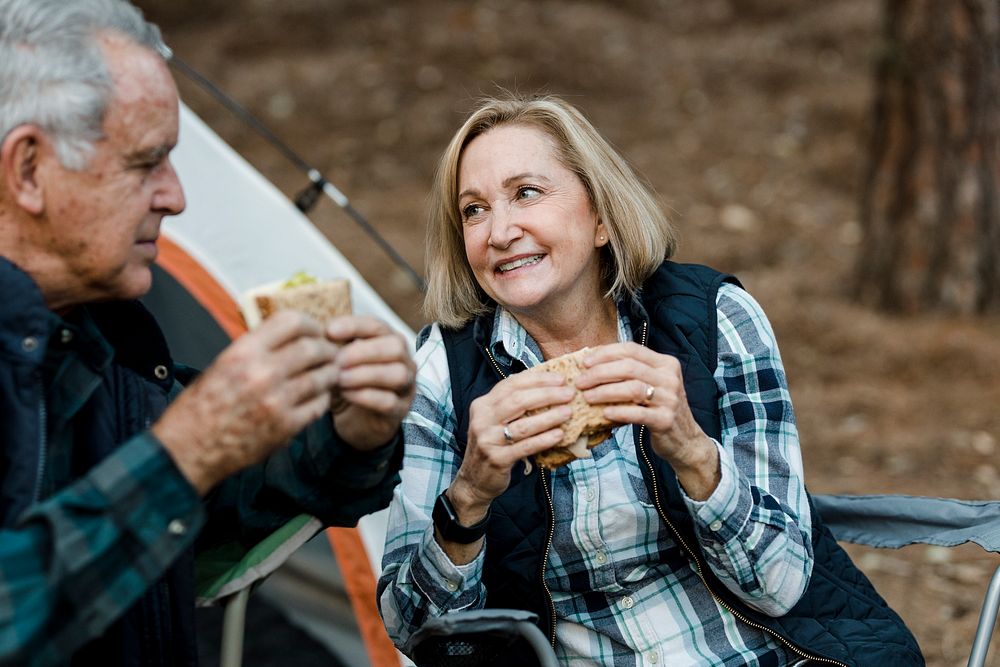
93, 393
840, 616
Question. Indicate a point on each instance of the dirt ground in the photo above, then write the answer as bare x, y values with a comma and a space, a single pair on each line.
748, 117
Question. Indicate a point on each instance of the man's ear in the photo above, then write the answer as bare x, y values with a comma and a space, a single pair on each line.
20, 158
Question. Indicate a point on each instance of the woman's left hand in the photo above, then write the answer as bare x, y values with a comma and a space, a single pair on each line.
650, 387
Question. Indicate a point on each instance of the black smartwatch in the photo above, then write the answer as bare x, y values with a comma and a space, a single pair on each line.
446, 521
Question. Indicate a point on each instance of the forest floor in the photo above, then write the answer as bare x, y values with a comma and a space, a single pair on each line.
748, 118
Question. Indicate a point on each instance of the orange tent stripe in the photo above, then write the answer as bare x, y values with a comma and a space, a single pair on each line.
201, 285
360, 582
359, 579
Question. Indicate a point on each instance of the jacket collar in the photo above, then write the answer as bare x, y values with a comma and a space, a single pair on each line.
124, 328
25, 320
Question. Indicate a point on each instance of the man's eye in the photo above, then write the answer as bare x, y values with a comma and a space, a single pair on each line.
146, 165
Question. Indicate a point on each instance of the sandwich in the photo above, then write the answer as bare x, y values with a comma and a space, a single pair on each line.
322, 299
585, 429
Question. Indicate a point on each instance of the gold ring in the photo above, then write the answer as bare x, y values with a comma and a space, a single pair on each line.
650, 390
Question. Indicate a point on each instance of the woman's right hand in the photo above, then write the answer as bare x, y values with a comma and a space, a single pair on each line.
489, 455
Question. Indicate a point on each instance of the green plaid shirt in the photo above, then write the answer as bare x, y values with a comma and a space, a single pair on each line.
100, 533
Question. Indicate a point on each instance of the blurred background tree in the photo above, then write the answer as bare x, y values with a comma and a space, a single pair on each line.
930, 213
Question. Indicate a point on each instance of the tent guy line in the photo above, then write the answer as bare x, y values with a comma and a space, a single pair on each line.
319, 184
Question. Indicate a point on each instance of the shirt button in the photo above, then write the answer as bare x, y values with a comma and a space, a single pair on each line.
653, 657
591, 494
602, 557
627, 602
451, 586
177, 527
29, 344
161, 372
715, 526
65, 336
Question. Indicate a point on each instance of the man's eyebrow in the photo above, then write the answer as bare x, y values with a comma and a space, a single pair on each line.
507, 182
153, 154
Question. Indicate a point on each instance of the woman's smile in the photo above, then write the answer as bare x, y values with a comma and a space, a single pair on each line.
511, 265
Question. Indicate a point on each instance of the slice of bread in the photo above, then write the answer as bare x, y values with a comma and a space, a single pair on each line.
586, 428
322, 300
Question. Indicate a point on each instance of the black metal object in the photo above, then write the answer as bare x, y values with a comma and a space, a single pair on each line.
482, 638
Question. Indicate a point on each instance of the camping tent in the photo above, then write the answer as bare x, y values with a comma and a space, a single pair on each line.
239, 231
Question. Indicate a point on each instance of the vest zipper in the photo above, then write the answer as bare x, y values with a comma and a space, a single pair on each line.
489, 353
697, 562
551, 531
545, 560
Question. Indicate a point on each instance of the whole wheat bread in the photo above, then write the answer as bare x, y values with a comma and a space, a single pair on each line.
322, 300
587, 420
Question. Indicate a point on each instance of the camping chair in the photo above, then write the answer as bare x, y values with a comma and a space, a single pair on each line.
893, 521
227, 575
479, 638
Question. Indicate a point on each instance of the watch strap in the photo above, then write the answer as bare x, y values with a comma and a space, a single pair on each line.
446, 521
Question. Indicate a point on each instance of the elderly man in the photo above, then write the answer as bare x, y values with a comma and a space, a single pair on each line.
108, 472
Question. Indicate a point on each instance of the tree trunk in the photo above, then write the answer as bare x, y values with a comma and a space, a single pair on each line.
930, 212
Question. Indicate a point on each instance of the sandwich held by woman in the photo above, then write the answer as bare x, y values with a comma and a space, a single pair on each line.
684, 538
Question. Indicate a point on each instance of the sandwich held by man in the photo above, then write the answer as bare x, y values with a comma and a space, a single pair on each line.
112, 475
322, 299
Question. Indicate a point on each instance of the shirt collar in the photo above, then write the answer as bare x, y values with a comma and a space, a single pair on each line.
510, 341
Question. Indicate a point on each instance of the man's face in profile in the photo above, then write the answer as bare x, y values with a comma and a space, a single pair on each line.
105, 220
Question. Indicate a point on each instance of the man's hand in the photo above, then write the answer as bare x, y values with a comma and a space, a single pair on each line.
261, 391
375, 381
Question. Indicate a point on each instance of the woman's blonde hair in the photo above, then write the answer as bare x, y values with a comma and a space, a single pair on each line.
640, 237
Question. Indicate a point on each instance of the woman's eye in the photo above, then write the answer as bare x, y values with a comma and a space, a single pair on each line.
528, 192
471, 211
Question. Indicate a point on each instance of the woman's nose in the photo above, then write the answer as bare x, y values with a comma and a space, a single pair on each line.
504, 227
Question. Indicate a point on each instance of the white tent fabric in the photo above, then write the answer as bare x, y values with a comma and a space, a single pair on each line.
244, 232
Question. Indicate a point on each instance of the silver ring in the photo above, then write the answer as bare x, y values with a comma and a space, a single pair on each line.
650, 390
508, 436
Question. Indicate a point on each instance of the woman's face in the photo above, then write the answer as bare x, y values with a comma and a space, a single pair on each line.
531, 234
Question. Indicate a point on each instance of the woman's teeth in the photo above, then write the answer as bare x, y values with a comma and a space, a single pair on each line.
518, 263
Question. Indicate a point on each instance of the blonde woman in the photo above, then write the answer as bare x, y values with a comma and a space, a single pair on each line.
687, 538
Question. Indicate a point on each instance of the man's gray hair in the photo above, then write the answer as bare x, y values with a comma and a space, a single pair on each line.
52, 69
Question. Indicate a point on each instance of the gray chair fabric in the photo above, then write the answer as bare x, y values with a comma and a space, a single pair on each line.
894, 521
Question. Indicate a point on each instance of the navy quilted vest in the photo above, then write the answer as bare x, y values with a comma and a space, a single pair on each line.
840, 618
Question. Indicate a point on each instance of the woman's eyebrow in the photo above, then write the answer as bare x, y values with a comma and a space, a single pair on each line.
507, 182
526, 176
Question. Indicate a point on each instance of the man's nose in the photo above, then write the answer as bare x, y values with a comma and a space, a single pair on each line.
169, 196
